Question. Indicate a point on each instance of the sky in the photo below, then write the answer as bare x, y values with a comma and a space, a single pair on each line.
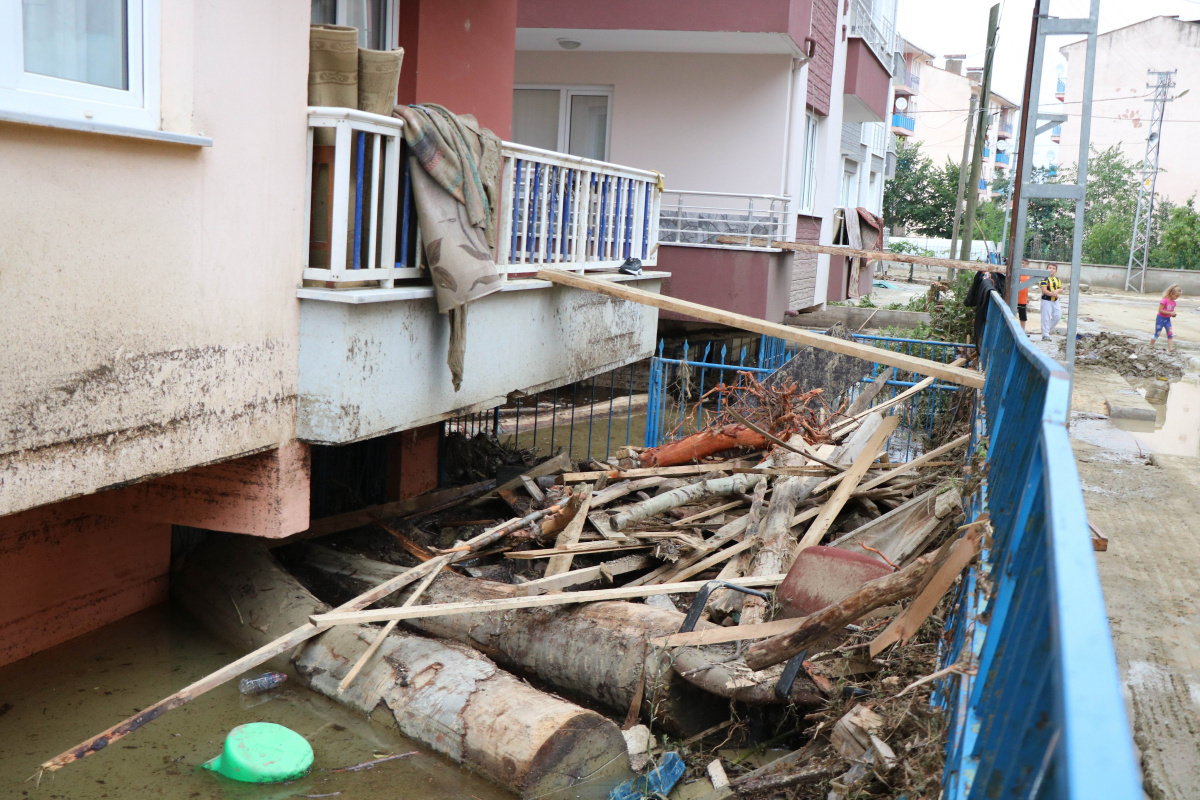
960, 26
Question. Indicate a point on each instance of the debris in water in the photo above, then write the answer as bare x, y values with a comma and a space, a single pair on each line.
372, 763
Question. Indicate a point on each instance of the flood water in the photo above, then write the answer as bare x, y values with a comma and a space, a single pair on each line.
1177, 429
57, 698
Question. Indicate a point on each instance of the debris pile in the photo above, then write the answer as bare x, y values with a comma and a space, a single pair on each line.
773, 581
1127, 357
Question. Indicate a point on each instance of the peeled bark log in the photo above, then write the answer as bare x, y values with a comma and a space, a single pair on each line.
705, 443
448, 697
733, 484
598, 650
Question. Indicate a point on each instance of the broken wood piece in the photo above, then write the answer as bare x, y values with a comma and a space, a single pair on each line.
602, 497
606, 571
800, 448
1099, 540
852, 476
737, 633
905, 624
708, 512
920, 461
906, 531
925, 383
412, 598
570, 534
853, 252
909, 363
656, 472
537, 494
879, 592
851, 735
552, 466
870, 392
716, 774
583, 548
510, 603
716, 558
420, 552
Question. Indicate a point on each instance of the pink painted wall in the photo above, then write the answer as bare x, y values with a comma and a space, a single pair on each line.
459, 54
266, 494
708, 122
752, 16
743, 281
820, 69
413, 462
67, 572
839, 278
866, 78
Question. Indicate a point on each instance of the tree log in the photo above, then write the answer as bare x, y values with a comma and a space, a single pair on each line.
702, 444
874, 594
449, 697
597, 651
733, 484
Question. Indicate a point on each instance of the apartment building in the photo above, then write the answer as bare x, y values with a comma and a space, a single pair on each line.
763, 116
1120, 98
204, 303
932, 107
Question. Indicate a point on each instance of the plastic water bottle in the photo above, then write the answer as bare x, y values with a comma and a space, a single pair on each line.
263, 683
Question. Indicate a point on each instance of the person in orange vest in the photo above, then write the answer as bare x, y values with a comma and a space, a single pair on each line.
1023, 300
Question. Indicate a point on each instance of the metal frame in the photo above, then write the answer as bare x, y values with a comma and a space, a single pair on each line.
1042, 714
1143, 218
772, 214
1036, 122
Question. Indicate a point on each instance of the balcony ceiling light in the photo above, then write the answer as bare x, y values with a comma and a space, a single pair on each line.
569, 44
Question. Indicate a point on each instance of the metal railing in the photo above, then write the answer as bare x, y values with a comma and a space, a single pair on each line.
1002, 158
904, 122
1006, 129
1037, 708
909, 80
684, 392
879, 34
697, 218
361, 223
1060, 86
574, 212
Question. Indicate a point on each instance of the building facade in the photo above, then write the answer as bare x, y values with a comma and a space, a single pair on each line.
1120, 98
932, 109
763, 117
176, 354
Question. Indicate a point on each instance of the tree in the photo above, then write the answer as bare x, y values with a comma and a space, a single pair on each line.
1179, 241
906, 197
1108, 242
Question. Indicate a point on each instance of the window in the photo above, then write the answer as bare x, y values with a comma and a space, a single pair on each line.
81, 60
849, 194
565, 119
808, 178
375, 20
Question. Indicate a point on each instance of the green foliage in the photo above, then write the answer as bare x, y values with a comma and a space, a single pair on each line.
1108, 242
906, 197
909, 247
1179, 242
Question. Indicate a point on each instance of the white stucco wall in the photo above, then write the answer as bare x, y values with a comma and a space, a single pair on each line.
1120, 111
147, 291
709, 122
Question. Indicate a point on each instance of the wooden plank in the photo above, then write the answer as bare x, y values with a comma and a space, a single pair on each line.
708, 512
738, 633
604, 546
423, 503
852, 476
908, 466
852, 252
618, 490
925, 383
656, 472
532, 488
513, 603
552, 466
718, 557
1099, 540
788, 333
570, 535
609, 569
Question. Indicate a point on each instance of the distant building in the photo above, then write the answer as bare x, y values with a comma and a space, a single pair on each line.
1121, 107
931, 107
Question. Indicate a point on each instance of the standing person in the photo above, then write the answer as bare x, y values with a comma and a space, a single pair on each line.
1166, 310
1051, 311
1023, 300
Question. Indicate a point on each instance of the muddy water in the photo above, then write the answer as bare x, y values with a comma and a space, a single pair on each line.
1177, 429
57, 698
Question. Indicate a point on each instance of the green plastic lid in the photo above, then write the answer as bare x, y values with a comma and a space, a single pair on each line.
263, 752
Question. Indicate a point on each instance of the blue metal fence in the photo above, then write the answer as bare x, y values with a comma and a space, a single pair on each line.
1042, 714
675, 407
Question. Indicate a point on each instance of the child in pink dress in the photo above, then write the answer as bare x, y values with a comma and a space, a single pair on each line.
1166, 310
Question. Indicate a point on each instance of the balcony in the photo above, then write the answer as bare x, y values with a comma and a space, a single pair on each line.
903, 125
987, 152
1002, 158
1056, 134
906, 82
1005, 130
744, 278
1060, 89
879, 34
983, 185
372, 344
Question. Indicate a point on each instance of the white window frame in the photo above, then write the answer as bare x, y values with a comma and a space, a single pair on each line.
30, 94
856, 176
565, 93
390, 21
808, 174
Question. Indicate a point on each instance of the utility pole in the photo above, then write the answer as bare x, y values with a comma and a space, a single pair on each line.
985, 96
962, 184
1143, 219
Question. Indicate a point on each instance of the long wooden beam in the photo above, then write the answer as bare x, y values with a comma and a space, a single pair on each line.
870, 255
921, 366
512, 603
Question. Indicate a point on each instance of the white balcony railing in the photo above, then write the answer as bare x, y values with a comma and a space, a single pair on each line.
555, 208
878, 32
574, 212
696, 219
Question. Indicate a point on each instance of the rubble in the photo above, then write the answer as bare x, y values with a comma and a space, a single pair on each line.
1129, 358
